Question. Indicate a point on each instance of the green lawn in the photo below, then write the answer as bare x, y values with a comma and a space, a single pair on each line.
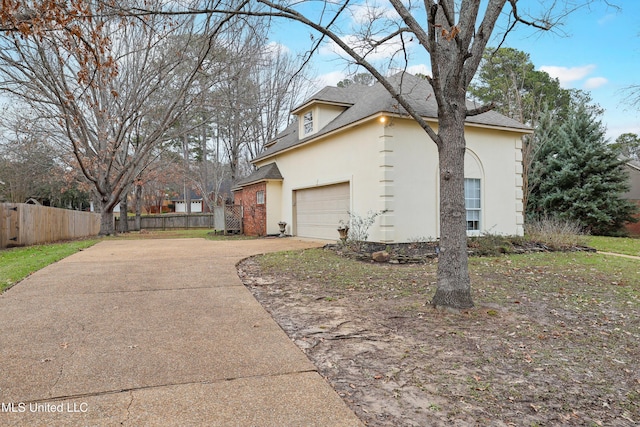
18, 263
619, 245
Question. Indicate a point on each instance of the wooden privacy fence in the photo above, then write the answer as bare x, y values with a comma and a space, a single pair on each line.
225, 218
23, 225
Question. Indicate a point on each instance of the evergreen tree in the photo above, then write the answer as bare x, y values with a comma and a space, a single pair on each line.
576, 176
508, 79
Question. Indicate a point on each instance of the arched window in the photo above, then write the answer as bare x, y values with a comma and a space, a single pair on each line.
473, 175
472, 203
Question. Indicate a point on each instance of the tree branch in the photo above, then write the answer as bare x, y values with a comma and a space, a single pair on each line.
482, 109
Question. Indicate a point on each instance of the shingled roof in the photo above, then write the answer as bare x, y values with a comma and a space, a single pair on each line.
264, 173
366, 101
346, 96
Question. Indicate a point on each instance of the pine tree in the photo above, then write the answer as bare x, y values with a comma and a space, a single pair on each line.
576, 176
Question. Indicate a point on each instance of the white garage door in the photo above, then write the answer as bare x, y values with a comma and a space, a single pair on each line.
320, 209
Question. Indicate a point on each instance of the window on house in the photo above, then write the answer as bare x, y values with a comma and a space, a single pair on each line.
472, 203
260, 197
307, 122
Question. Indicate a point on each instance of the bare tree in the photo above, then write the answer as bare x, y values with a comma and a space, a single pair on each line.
633, 98
201, 168
280, 83
255, 102
96, 80
233, 101
249, 101
30, 165
27, 170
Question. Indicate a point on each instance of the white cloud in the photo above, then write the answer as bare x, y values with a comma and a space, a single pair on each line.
277, 48
595, 82
332, 78
568, 75
384, 52
419, 69
372, 10
329, 79
610, 17
411, 69
614, 131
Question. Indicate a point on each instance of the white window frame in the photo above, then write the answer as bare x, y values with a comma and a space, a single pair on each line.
307, 123
473, 205
260, 197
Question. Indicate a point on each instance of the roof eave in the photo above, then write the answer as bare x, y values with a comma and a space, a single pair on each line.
311, 102
523, 131
257, 181
314, 138
633, 166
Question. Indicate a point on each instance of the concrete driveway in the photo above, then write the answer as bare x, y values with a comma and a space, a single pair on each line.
155, 332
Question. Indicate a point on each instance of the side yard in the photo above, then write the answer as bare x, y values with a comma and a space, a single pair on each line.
554, 338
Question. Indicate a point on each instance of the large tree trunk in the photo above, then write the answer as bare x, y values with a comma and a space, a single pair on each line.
107, 201
124, 214
138, 219
186, 188
454, 288
106, 222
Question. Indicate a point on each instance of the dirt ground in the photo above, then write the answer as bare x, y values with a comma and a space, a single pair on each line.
536, 350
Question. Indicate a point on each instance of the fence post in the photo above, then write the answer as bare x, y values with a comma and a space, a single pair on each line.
224, 218
4, 225
15, 226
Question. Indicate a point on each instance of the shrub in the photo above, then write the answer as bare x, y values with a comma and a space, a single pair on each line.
490, 244
557, 234
359, 228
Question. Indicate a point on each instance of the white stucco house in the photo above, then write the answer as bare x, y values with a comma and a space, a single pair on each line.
354, 149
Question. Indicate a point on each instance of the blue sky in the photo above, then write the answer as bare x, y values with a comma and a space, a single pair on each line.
596, 50
599, 53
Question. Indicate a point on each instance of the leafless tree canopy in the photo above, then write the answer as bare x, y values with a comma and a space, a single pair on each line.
113, 86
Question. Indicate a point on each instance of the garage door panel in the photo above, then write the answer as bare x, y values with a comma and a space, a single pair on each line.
319, 210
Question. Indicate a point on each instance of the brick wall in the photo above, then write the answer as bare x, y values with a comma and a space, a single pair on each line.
254, 217
634, 228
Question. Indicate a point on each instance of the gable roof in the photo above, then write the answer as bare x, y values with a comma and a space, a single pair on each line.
346, 96
264, 173
362, 102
